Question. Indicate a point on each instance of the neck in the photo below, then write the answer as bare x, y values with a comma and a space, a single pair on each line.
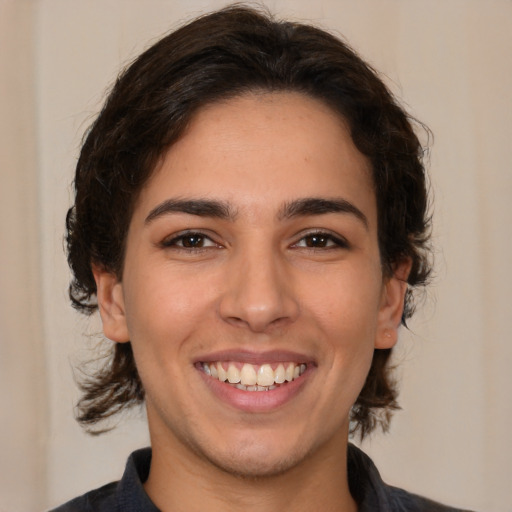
183, 481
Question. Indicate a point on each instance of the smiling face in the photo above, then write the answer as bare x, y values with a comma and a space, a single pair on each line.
252, 288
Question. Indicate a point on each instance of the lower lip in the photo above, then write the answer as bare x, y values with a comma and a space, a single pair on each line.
256, 401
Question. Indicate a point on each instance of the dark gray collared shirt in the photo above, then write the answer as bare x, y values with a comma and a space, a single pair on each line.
366, 486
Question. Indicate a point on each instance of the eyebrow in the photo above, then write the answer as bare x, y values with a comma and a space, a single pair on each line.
199, 207
320, 206
217, 209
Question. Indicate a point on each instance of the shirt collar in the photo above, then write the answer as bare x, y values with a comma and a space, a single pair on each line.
365, 483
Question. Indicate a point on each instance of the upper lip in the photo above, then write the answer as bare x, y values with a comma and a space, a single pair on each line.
255, 357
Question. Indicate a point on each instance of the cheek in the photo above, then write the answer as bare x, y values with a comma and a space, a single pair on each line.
163, 308
346, 313
347, 300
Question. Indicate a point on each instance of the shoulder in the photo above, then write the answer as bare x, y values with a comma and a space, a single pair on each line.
127, 495
373, 494
98, 500
403, 501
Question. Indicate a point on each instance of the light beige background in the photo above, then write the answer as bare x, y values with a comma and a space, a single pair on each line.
449, 60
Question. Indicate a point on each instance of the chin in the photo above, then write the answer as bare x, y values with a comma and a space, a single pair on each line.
256, 468
254, 459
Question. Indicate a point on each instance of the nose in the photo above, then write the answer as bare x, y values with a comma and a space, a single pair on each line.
259, 293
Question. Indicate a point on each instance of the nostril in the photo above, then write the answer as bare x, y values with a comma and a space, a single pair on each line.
237, 322
258, 325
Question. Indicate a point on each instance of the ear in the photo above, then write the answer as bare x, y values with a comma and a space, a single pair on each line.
392, 305
111, 305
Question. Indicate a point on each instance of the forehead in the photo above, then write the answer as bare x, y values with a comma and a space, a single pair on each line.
263, 149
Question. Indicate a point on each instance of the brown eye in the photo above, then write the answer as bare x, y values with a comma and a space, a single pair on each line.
189, 241
316, 241
321, 241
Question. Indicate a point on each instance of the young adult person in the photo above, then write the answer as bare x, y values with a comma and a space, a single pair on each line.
251, 218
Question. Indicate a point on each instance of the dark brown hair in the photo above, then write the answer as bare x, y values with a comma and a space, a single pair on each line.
220, 55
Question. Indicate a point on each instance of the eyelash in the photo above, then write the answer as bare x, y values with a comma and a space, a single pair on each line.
173, 242
336, 242
332, 242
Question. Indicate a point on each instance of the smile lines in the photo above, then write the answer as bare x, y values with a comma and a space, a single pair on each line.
249, 377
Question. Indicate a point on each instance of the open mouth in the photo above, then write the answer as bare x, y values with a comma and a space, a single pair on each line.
252, 377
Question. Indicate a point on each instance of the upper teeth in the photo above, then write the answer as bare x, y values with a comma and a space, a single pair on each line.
253, 375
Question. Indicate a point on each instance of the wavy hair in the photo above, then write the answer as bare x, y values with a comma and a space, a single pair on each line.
217, 56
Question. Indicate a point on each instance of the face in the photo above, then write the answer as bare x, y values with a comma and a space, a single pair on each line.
252, 288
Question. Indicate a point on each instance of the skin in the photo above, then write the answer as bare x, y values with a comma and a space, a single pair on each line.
253, 283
